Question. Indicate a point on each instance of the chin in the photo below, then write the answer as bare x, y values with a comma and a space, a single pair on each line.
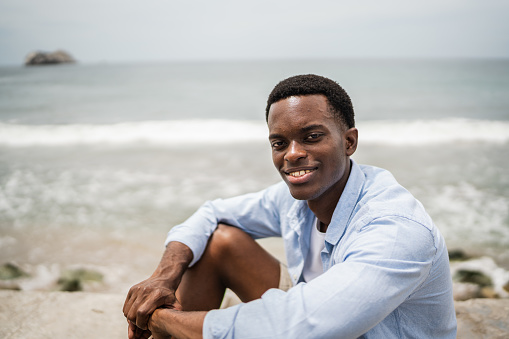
301, 194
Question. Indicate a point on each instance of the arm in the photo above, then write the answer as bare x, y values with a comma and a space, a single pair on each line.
166, 322
257, 214
158, 290
380, 267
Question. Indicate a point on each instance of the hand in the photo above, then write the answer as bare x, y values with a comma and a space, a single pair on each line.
144, 298
158, 290
134, 332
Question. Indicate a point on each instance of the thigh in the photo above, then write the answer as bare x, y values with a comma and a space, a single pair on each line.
285, 283
248, 269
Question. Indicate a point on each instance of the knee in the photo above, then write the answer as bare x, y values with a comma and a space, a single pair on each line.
226, 239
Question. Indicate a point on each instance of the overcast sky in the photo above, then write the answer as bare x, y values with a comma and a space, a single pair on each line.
134, 30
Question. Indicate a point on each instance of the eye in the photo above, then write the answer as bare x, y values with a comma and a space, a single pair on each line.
277, 144
313, 137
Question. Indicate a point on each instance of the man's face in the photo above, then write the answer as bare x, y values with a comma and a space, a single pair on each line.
309, 147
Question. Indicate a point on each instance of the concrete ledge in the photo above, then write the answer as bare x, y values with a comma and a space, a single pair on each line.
61, 315
483, 318
95, 315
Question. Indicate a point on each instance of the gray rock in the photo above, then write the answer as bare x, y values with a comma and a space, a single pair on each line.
474, 277
458, 255
464, 291
483, 318
73, 280
48, 58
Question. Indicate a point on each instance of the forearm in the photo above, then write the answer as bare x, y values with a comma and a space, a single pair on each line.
176, 258
178, 324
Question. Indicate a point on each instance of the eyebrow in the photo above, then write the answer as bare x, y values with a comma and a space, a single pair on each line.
302, 130
311, 127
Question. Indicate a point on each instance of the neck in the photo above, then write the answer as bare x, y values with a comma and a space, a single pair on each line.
324, 211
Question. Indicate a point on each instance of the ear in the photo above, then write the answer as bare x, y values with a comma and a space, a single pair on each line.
351, 137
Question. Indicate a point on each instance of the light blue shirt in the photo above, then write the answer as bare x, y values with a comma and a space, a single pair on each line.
386, 266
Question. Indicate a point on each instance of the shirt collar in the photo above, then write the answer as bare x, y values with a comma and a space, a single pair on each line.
344, 208
300, 216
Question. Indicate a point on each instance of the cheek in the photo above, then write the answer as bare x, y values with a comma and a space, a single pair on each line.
276, 159
335, 165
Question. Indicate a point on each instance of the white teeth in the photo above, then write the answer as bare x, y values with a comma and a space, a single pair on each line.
299, 173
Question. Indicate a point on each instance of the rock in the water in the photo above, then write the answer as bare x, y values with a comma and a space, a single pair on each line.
10, 271
48, 58
72, 280
458, 254
483, 272
474, 277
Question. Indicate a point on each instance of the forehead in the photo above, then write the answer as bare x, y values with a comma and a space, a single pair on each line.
298, 111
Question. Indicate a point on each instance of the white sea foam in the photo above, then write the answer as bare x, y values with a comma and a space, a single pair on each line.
189, 132
176, 132
457, 208
419, 132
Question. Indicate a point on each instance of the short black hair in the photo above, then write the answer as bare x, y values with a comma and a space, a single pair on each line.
308, 84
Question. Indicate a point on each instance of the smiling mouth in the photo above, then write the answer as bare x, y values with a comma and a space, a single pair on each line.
297, 174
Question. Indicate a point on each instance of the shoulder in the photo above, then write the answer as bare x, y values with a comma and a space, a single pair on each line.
382, 197
390, 215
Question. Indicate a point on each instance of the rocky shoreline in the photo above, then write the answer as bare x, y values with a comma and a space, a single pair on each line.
473, 277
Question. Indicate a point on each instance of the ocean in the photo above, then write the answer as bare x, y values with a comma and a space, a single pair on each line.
99, 161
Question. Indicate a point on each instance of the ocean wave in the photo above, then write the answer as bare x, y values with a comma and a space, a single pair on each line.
421, 132
166, 133
195, 132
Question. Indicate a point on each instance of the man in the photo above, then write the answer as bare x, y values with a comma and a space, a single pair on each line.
364, 258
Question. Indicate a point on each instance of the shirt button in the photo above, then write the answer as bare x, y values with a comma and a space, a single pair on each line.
294, 277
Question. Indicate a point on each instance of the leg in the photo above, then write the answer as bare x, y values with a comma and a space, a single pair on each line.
232, 259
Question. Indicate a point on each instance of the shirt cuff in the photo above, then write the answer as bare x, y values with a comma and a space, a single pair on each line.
219, 323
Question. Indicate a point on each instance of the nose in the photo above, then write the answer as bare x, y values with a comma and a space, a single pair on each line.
295, 152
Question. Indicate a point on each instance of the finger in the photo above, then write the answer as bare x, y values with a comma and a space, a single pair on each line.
146, 334
143, 314
142, 334
136, 292
141, 310
138, 308
131, 329
134, 332
128, 302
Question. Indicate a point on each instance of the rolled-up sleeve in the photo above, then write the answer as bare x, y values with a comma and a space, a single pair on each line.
255, 213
